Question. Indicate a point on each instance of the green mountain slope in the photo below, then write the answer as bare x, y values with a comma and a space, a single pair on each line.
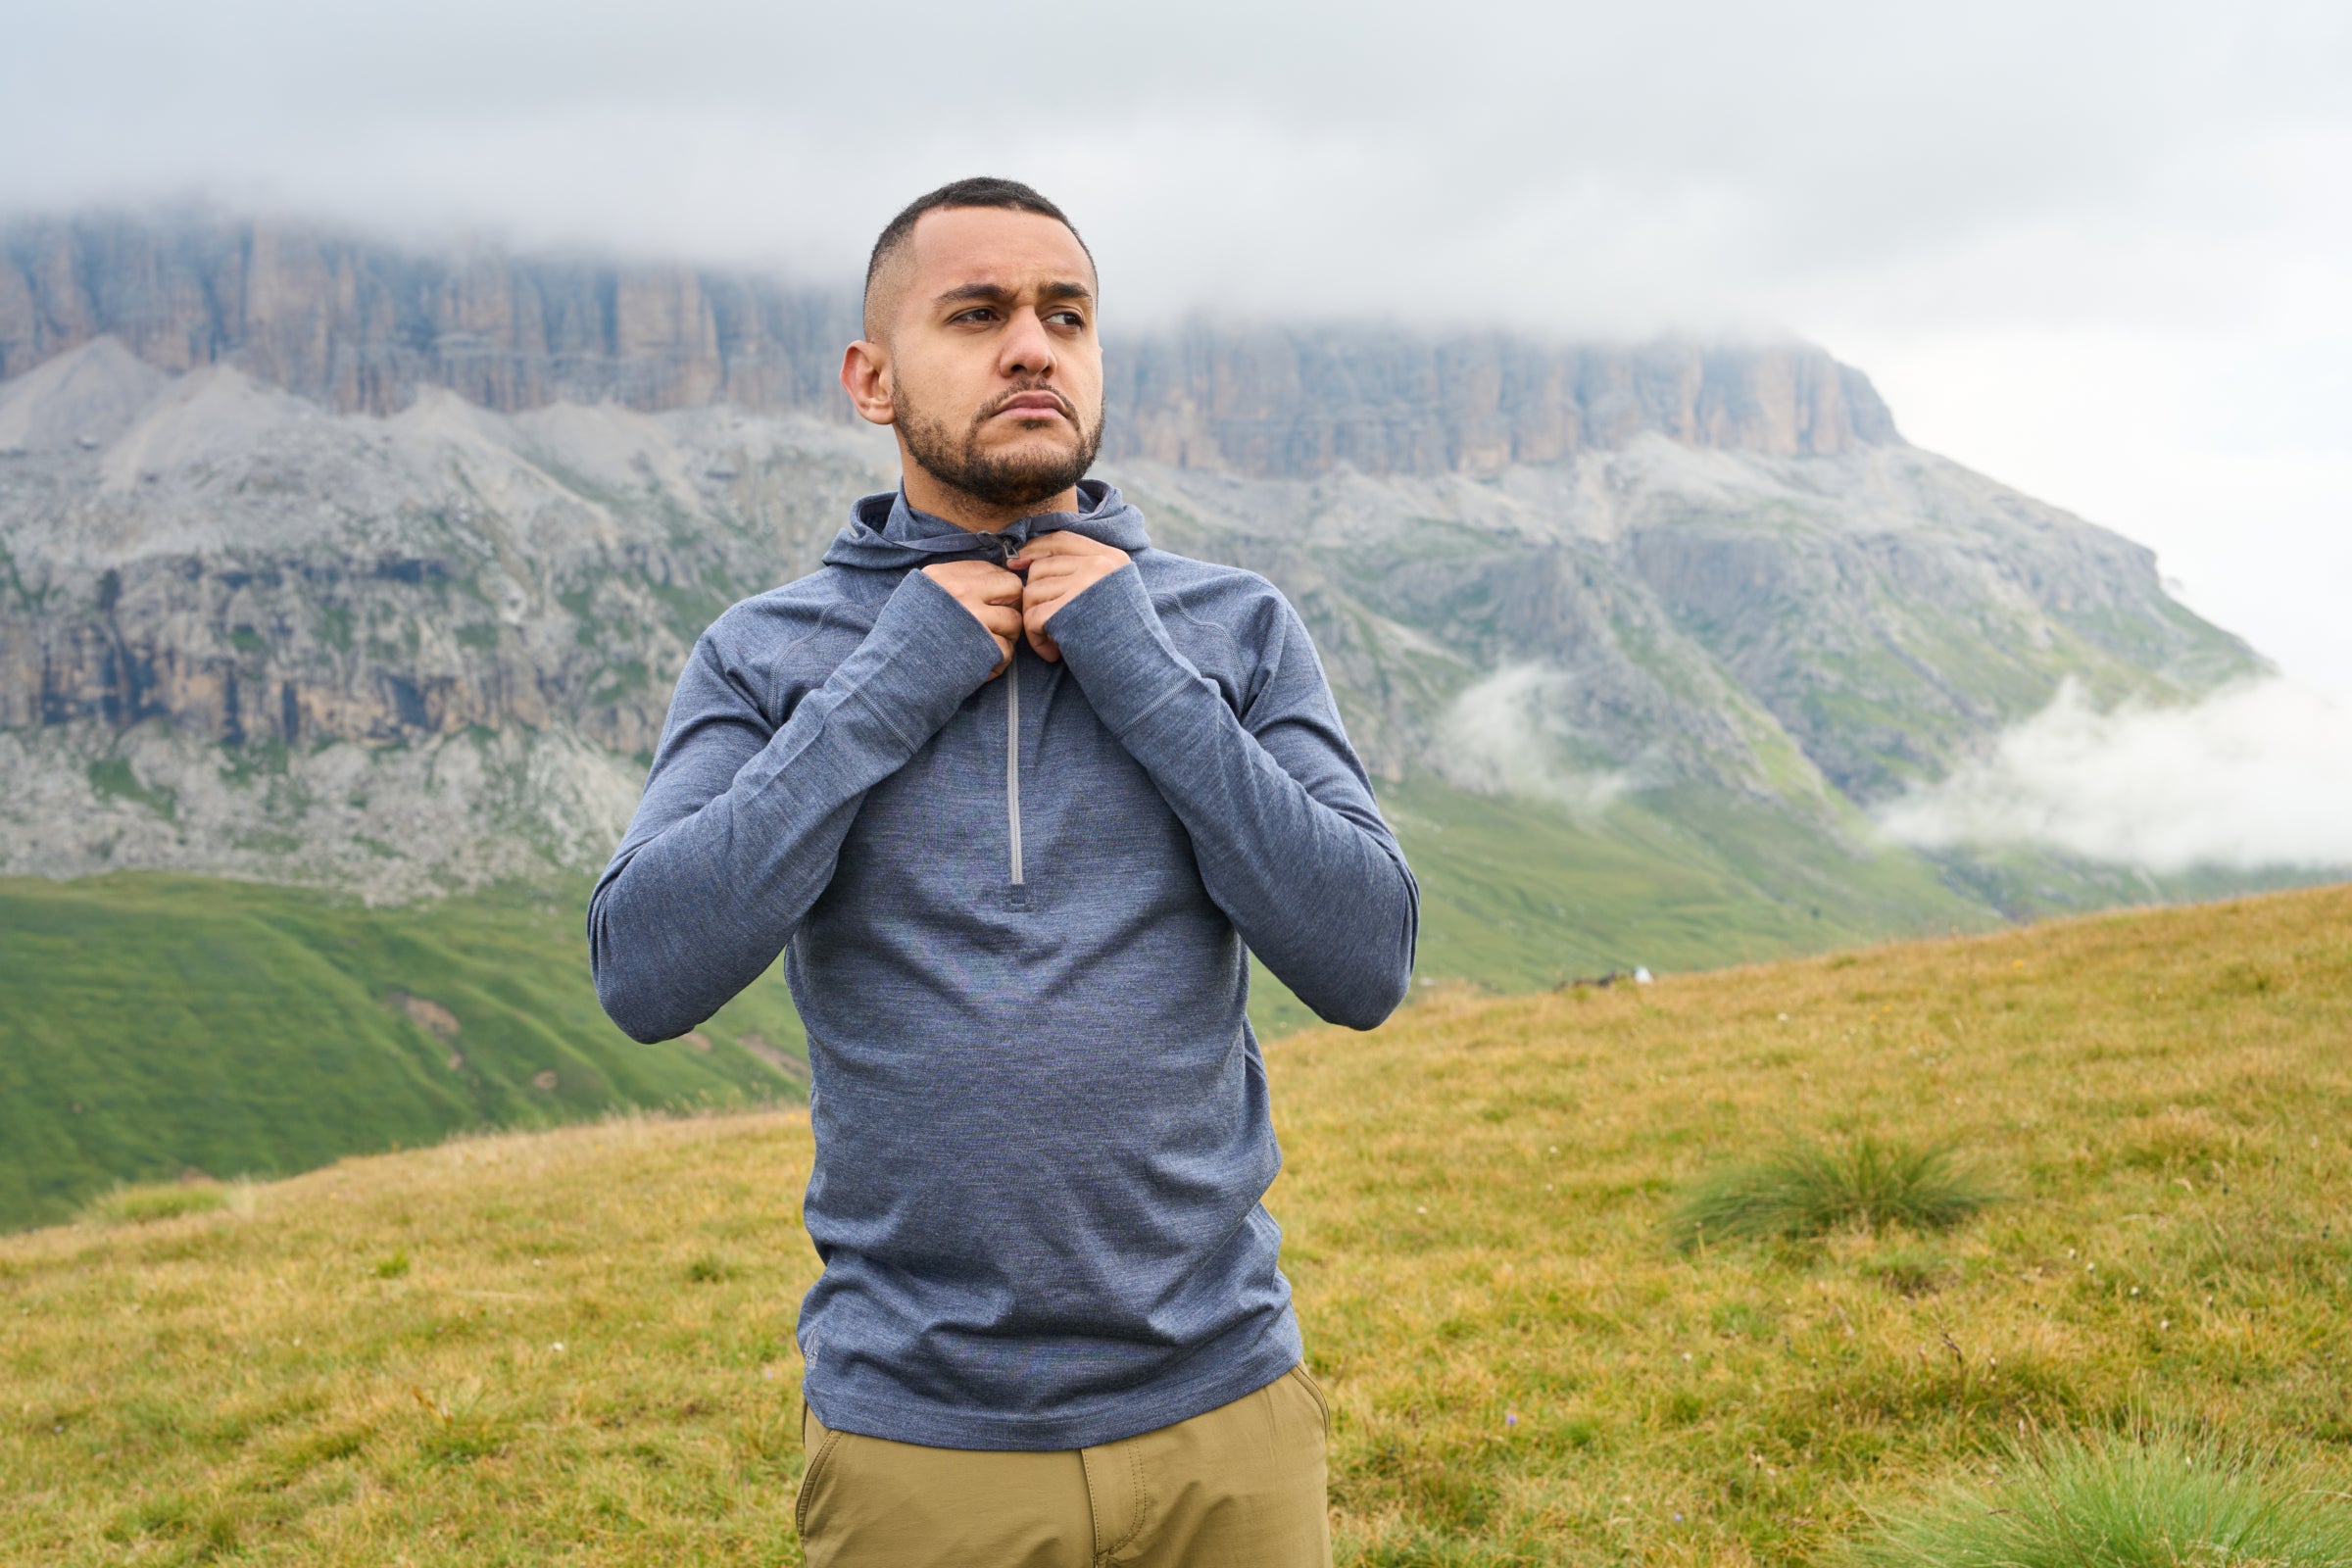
160, 1025
157, 1025
1520, 895
1517, 895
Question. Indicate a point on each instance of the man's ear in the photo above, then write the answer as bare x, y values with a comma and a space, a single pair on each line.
865, 377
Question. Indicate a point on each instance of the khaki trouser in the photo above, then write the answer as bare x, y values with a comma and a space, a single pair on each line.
1241, 1486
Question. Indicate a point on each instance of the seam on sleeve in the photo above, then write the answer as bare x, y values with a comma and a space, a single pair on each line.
857, 694
825, 620
1241, 655
1168, 696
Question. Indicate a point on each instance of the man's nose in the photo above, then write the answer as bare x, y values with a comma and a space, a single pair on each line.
1028, 348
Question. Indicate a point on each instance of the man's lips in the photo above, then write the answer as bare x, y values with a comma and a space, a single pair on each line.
1033, 406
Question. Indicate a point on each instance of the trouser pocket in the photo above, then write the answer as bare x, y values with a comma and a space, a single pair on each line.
868, 1502
1314, 1391
812, 1473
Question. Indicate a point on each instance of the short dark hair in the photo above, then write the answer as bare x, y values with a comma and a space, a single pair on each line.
981, 190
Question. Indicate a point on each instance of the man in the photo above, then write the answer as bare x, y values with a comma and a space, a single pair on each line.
1015, 794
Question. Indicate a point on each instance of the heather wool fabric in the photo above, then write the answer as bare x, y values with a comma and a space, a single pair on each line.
1015, 915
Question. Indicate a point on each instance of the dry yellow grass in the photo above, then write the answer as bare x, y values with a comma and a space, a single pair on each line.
1475, 1200
575, 1345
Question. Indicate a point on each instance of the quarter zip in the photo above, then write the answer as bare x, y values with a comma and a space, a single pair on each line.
1012, 757
1007, 549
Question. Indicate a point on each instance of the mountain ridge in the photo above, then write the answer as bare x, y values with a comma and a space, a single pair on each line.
409, 653
359, 324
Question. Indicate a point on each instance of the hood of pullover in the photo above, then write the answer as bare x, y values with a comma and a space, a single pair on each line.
886, 534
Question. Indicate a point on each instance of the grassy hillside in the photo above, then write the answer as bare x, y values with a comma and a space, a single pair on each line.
236, 1028
1516, 895
1520, 895
575, 1345
157, 1025
166, 1024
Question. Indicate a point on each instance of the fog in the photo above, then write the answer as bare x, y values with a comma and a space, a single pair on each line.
1594, 168
2254, 777
2096, 250
1503, 735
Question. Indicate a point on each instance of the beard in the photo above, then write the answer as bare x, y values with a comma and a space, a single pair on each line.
1007, 479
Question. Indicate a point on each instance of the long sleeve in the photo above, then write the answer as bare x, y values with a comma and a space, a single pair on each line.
1285, 831
742, 822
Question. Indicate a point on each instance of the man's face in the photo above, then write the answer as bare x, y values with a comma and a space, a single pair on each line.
996, 374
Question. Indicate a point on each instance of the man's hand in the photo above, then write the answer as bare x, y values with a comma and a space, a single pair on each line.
1061, 566
992, 594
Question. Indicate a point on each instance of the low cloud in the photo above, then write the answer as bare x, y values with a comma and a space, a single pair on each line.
1506, 735
2256, 776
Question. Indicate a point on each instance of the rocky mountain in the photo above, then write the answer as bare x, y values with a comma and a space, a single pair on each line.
359, 327
1298, 403
326, 564
241, 632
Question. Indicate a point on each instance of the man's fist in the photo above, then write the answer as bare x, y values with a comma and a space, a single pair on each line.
1060, 567
992, 594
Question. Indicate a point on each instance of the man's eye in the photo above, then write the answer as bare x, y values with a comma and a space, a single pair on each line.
978, 313
1067, 319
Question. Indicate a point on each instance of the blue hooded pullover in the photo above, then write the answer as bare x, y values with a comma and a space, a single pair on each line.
1015, 916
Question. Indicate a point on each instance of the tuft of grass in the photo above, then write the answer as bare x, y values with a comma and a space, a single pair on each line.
2161, 1499
143, 1205
393, 1267
111, 778
1809, 1190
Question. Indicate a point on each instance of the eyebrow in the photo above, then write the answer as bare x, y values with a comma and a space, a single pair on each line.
999, 294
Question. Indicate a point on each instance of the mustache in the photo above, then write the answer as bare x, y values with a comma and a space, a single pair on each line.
996, 405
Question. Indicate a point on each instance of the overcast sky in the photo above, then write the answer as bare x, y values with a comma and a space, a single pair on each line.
2103, 252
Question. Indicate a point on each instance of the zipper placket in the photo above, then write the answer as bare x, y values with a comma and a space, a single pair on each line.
1005, 551
1012, 757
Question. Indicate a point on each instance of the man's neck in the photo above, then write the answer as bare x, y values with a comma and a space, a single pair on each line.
926, 493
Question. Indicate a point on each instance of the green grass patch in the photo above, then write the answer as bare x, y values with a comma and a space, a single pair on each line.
1518, 894
1807, 1190
112, 779
2161, 1499
142, 1205
159, 1025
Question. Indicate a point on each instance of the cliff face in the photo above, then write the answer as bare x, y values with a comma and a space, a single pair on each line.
240, 633
1290, 404
359, 326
